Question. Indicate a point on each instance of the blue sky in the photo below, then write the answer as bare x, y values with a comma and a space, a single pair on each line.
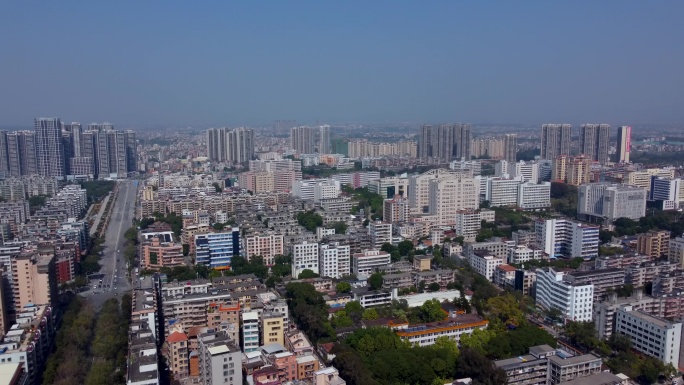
231, 63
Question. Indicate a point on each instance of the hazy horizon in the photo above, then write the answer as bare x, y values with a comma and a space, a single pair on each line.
215, 64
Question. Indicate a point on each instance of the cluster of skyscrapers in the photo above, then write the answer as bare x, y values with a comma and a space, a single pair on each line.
444, 141
66, 151
311, 140
594, 141
230, 145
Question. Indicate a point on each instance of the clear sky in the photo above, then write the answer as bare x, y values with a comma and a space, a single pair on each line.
138, 63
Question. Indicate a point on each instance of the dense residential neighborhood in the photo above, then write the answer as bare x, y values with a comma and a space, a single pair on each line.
235, 257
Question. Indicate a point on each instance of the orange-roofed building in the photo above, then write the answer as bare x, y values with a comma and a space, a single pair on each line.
453, 328
176, 352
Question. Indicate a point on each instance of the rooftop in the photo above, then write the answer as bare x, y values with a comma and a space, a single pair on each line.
514, 362
138, 368
508, 268
601, 378
457, 320
8, 371
560, 361
660, 322
596, 272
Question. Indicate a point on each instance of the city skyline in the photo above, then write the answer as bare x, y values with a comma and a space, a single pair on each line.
238, 65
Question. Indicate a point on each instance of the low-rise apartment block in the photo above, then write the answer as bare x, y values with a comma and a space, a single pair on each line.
563, 368
530, 369
369, 261
453, 328
485, 263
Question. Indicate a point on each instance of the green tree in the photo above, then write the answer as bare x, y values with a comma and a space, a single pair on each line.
354, 310
404, 247
582, 334
310, 220
507, 308
341, 320
343, 287
447, 343
370, 314
387, 247
431, 311
434, 286
375, 281
307, 273
478, 339
340, 227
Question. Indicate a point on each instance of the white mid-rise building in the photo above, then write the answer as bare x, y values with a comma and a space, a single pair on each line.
304, 257
653, 336
534, 196
369, 261
220, 359
447, 196
522, 254
502, 192
561, 237
485, 263
610, 201
250, 331
334, 260
419, 187
469, 222
316, 190
553, 292
380, 233
528, 171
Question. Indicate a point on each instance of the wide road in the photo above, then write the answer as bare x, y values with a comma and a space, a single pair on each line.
115, 280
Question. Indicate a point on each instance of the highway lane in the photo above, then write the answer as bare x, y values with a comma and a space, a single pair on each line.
115, 280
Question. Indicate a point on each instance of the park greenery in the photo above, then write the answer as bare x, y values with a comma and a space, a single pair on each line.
378, 356
97, 189
90, 349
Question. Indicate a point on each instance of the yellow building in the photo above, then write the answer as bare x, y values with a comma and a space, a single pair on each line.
35, 279
654, 243
422, 262
272, 328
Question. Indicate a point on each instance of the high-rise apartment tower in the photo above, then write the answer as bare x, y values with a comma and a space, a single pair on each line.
555, 140
624, 138
594, 141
